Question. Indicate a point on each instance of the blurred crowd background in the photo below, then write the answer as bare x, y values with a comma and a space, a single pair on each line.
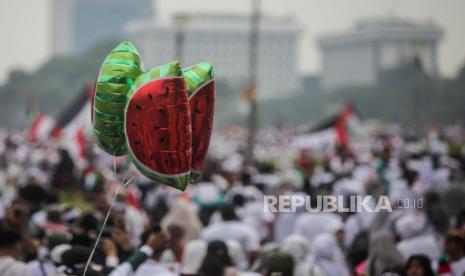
313, 97
53, 207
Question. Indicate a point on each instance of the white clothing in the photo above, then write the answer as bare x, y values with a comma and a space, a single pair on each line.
458, 267
193, 254
233, 230
327, 256
149, 267
310, 225
43, 268
284, 225
422, 245
11, 267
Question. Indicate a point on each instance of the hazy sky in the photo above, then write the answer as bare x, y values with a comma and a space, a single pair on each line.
24, 26
24, 34
319, 16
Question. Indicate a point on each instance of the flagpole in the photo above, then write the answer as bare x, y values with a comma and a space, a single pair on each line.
251, 91
180, 23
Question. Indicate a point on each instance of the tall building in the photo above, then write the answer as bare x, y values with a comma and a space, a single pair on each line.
79, 24
224, 40
61, 26
358, 56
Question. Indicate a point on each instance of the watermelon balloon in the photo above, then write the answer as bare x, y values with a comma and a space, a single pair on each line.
112, 90
162, 118
200, 84
158, 126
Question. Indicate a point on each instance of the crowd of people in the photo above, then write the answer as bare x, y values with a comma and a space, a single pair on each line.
53, 209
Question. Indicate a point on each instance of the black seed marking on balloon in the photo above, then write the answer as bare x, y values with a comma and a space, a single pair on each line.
150, 96
152, 157
156, 127
134, 124
167, 90
161, 140
167, 161
137, 142
207, 98
138, 107
197, 110
162, 112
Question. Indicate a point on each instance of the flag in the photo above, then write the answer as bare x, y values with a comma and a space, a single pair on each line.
41, 127
342, 120
336, 130
73, 125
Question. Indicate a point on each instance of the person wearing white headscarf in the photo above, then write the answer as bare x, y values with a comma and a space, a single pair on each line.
410, 225
194, 252
232, 228
298, 247
182, 214
414, 242
327, 256
357, 223
311, 225
284, 225
237, 254
285, 222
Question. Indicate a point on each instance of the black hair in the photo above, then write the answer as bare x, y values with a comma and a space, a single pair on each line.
246, 178
424, 261
238, 200
358, 249
154, 228
75, 256
56, 239
9, 237
281, 263
88, 222
460, 219
216, 259
228, 213
54, 216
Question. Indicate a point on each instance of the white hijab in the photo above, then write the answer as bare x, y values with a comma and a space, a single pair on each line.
237, 254
298, 247
182, 214
327, 255
194, 252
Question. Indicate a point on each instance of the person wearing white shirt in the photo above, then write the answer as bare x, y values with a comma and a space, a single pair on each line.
10, 248
230, 228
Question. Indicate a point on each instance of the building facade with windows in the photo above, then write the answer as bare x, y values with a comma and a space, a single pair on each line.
358, 56
224, 40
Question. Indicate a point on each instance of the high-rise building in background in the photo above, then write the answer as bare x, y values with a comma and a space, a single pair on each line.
357, 57
224, 40
61, 26
79, 24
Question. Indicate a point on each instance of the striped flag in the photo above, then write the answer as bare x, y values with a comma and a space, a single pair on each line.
73, 126
41, 127
336, 130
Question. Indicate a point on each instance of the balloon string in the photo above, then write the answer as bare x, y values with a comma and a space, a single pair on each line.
114, 165
113, 201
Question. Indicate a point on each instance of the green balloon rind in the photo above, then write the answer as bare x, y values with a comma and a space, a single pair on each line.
197, 75
116, 76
